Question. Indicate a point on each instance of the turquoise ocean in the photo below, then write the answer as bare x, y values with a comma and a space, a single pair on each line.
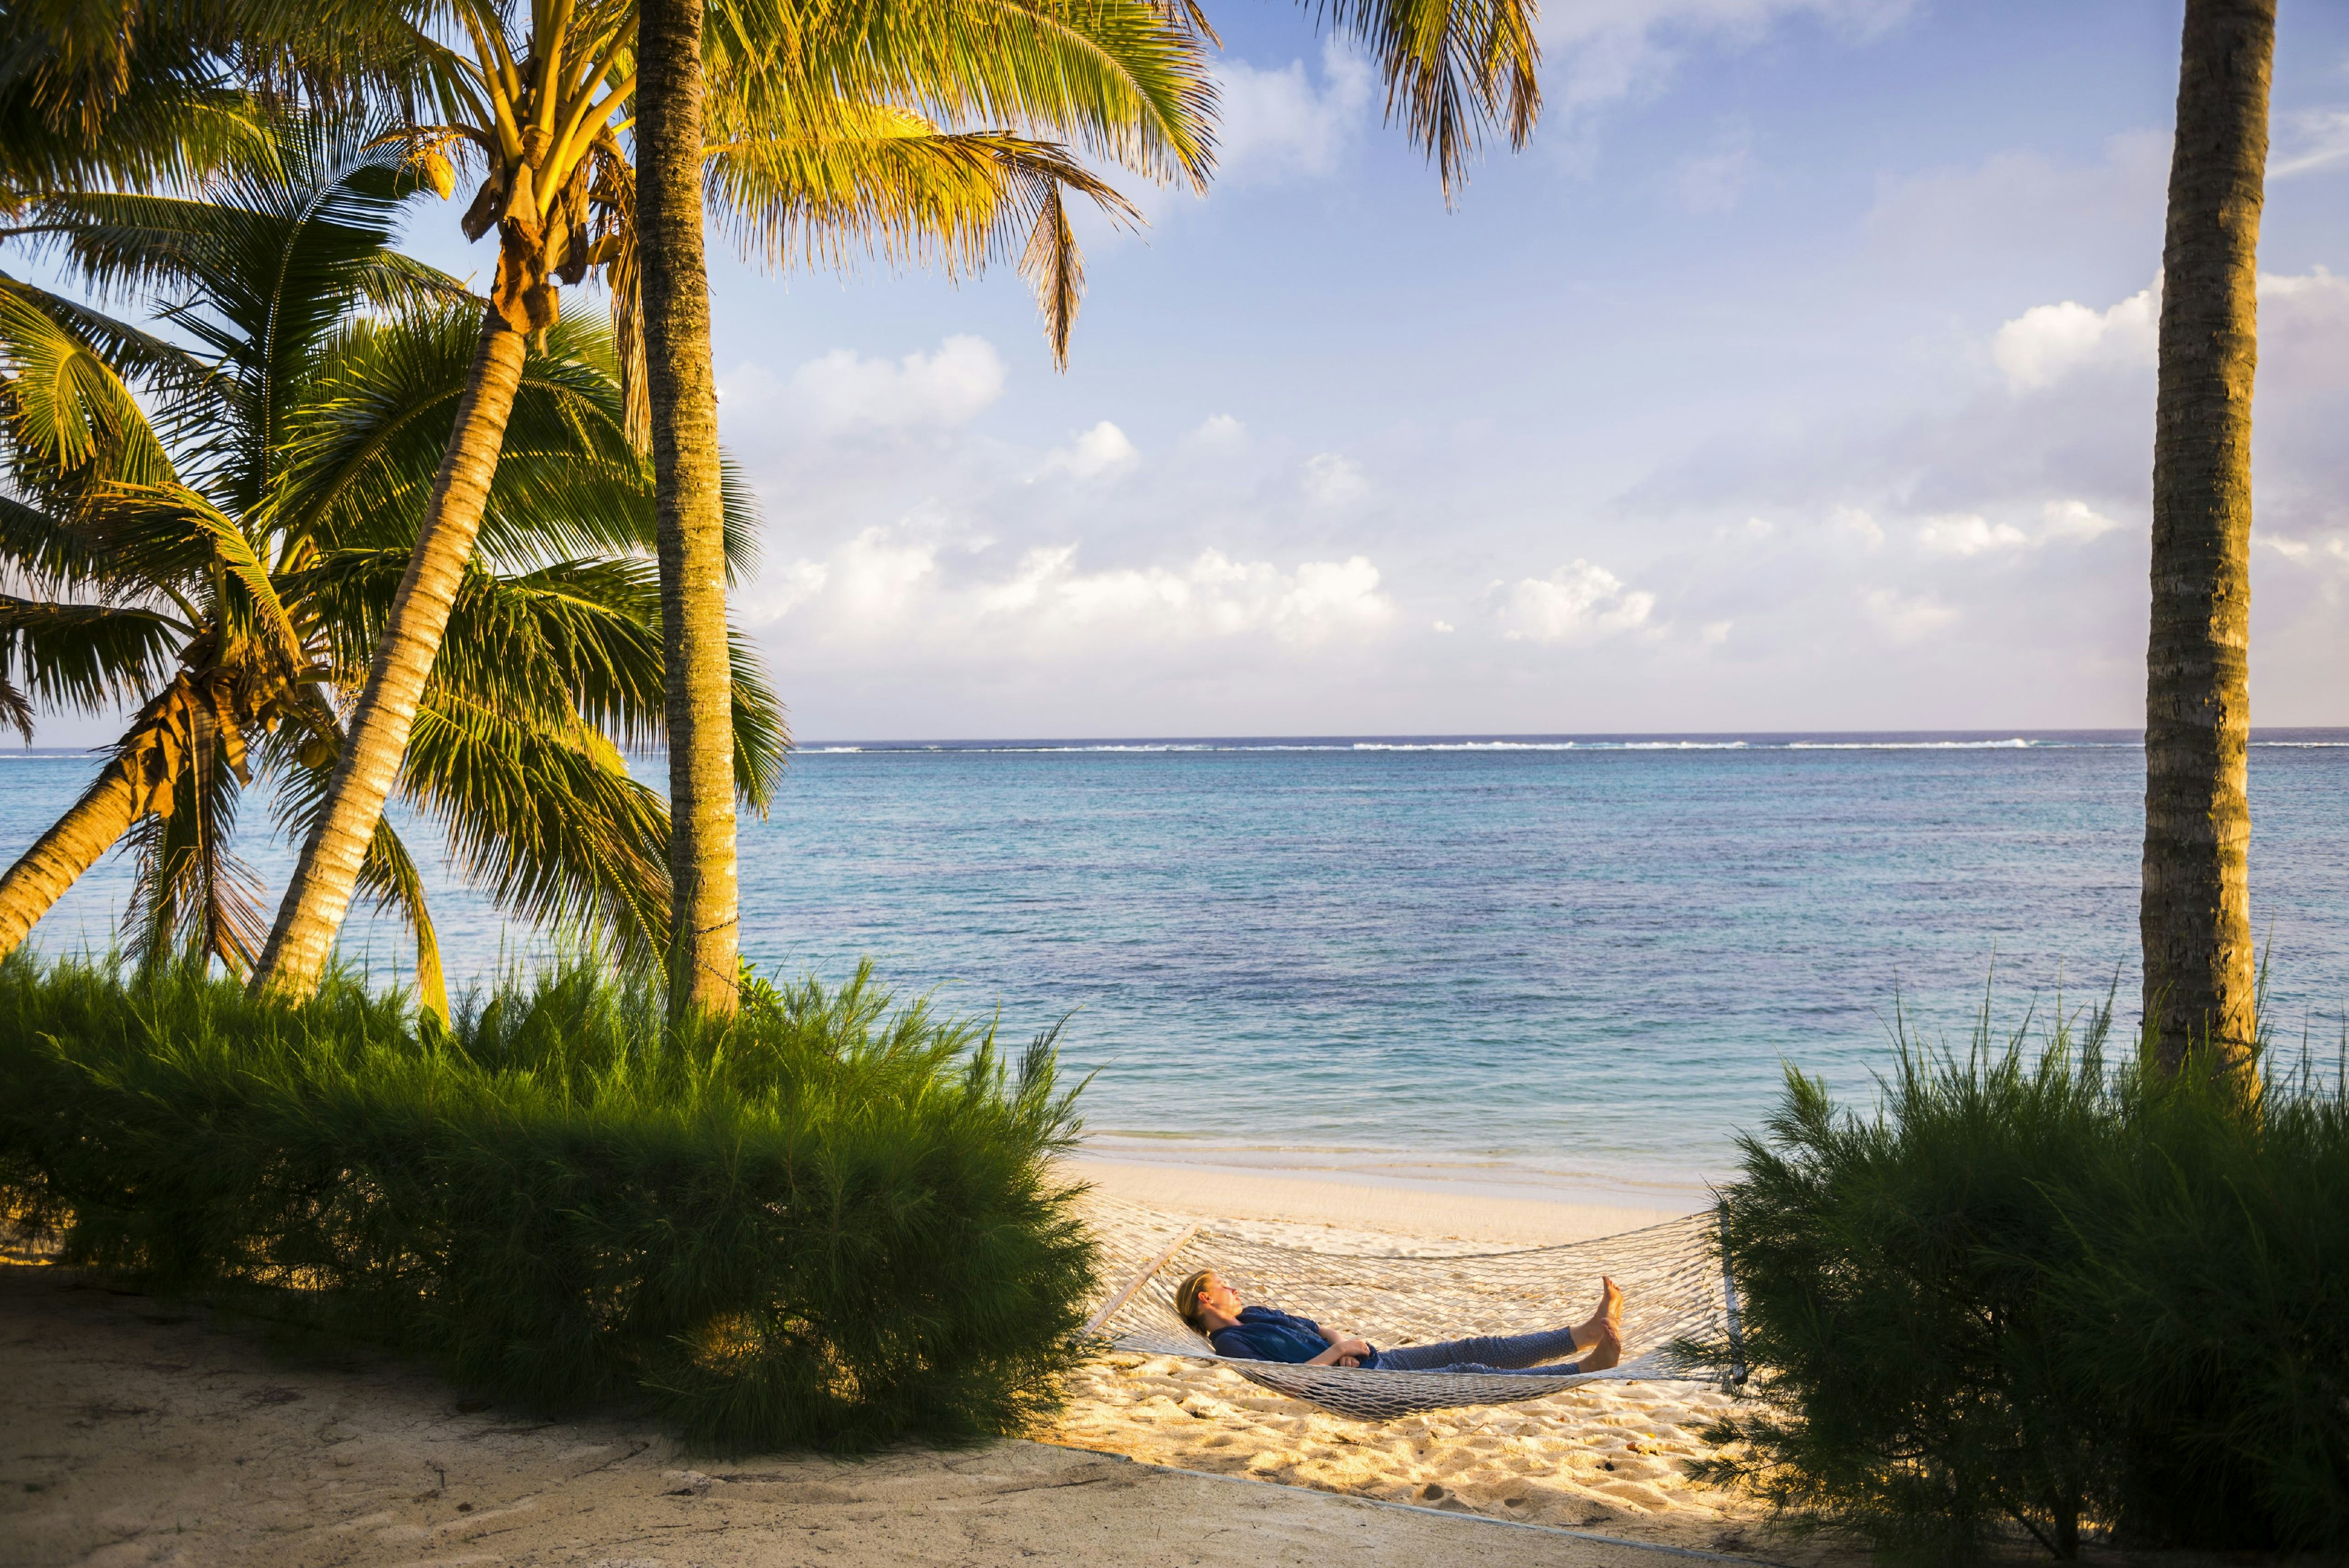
1571, 964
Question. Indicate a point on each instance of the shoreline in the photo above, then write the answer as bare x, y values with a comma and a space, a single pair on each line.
1357, 1204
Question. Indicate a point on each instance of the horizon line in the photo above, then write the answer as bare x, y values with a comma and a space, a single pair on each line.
1347, 739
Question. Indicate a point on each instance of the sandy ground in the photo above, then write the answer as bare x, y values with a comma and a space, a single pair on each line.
1604, 1457
137, 1432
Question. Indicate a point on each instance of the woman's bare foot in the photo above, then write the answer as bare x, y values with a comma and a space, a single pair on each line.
1611, 1311
1599, 1342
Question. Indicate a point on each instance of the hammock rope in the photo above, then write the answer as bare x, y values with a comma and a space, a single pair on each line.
1676, 1289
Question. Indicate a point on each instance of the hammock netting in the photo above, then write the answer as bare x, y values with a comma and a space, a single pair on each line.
1674, 1293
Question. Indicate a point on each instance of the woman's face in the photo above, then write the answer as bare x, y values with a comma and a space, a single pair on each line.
1218, 1297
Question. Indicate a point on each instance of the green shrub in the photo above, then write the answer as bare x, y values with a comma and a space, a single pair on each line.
829, 1222
2034, 1294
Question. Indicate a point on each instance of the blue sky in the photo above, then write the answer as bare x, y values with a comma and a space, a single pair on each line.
1797, 376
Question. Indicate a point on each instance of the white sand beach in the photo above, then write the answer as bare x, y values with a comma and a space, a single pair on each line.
1604, 1457
141, 1432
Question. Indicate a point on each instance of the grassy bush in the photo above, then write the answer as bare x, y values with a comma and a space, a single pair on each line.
2034, 1294
831, 1222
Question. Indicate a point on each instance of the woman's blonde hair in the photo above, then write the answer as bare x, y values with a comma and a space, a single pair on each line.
1187, 1296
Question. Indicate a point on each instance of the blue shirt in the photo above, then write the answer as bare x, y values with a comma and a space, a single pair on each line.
1268, 1333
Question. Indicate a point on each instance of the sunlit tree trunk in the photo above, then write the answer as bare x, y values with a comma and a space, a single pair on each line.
705, 942
327, 873
2195, 916
93, 826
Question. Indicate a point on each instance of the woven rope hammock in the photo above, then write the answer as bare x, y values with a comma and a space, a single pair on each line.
1675, 1289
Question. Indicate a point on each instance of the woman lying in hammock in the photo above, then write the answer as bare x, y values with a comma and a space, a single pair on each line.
1267, 1334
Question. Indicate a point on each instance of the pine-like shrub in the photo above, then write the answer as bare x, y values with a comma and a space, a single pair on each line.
830, 1222
2033, 1297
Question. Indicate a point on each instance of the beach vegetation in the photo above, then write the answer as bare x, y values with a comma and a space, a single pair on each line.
831, 1221
2040, 1295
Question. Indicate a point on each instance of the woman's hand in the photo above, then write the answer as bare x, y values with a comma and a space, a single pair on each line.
1344, 1350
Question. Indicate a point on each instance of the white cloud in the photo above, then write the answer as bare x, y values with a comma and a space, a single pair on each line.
1218, 430
2048, 342
1859, 524
1714, 182
2072, 520
2320, 139
1578, 604
1094, 454
1968, 536
889, 587
1331, 480
1277, 125
845, 389
1905, 617
2305, 552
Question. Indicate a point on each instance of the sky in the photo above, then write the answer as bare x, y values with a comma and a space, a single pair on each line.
1797, 376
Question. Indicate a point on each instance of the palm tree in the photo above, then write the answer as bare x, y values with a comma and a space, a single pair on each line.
95, 96
2194, 919
1452, 70
542, 113
228, 562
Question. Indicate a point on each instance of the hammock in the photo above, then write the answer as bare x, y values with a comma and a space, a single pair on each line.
1675, 1290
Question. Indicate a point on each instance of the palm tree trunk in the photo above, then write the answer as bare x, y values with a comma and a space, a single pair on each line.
90, 827
327, 873
2195, 918
705, 936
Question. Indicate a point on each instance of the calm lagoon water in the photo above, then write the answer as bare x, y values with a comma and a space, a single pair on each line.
1578, 962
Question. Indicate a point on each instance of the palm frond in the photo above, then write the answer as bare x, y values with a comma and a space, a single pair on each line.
52, 553
262, 268
165, 370
365, 446
70, 418
16, 709
1452, 70
741, 523
879, 180
390, 876
192, 895
168, 534
1125, 80
114, 95
88, 656
549, 824
579, 642
762, 736
1055, 270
